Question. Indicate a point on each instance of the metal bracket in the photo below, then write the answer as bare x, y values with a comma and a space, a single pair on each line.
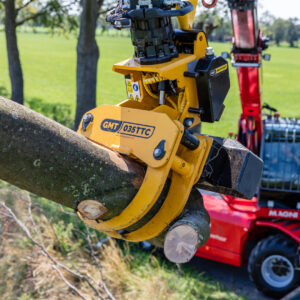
246, 65
186, 166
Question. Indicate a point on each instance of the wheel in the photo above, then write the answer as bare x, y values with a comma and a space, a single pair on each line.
272, 265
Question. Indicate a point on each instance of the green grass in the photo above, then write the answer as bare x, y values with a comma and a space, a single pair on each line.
129, 272
49, 66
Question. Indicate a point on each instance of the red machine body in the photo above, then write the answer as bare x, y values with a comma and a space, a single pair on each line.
239, 224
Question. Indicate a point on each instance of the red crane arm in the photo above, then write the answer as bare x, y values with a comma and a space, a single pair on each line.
247, 55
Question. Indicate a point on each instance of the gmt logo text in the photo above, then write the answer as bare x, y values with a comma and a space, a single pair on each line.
127, 128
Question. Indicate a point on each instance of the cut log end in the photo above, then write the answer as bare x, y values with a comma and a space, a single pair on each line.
91, 209
181, 243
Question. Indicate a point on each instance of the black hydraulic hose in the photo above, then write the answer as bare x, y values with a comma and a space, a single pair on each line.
150, 13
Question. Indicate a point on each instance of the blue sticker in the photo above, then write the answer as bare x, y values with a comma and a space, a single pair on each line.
135, 87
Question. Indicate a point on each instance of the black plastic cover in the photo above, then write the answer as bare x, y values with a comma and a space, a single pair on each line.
213, 83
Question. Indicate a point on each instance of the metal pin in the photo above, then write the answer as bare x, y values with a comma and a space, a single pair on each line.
161, 97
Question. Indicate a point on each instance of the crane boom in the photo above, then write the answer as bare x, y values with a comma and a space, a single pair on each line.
248, 46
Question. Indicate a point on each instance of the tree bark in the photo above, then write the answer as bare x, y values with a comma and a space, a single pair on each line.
14, 63
87, 60
52, 161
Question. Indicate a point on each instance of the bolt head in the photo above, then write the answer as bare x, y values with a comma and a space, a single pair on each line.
189, 123
157, 152
209, 51
88, 118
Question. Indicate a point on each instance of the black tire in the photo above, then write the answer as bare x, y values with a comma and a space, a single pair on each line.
281, 278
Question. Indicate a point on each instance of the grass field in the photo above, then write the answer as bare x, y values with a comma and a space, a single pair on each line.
49, 66
129, 272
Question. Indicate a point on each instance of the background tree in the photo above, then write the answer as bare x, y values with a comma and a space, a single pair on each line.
292, 34
298, 29
53, 13
279, 30
222, 32
87, 57
266, 22
210, 19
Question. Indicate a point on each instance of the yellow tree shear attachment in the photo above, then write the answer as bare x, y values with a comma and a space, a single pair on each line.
174, 82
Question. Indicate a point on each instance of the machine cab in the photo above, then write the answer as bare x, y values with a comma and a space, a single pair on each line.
280, 151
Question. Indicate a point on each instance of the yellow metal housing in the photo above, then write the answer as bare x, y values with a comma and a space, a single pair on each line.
136, 128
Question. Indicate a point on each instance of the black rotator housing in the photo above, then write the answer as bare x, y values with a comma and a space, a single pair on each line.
151, 29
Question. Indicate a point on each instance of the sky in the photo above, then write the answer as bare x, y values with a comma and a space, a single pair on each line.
281, 8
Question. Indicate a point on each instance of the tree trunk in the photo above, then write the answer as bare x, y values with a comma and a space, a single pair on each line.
209, 28
87, 60
190, 232
52, 161
15, 68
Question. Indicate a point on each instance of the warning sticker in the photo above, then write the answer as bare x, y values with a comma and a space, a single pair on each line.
218, 70
133, 90
221, 69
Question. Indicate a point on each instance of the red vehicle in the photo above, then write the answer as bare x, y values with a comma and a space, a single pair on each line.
263, 232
